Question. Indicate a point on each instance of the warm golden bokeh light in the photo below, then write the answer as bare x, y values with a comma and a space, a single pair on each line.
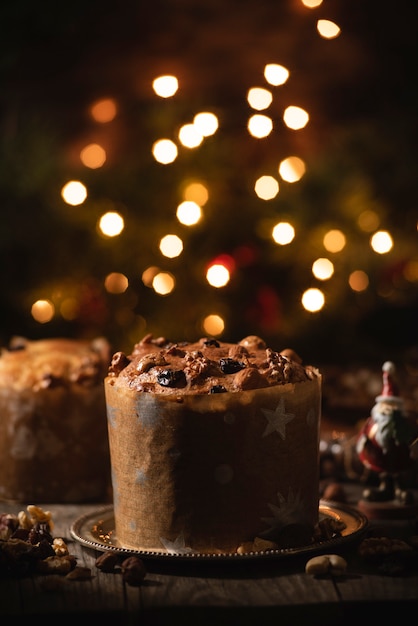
283, 233
358, 280
313, 300
163, 283
368, 221
115, 282
189, 136
260, 126
266, 187
381, 242
93, 156
188, 213
43, 311
74, 193
276, 74
328, 29
292, 169
213, 325
322, 269
104, 110
311, 4
217, 275
164, 151
196, 192
149, 274
410, 271
206, 123
295, 117
171, 246
259, 98
334, 240
111, 224
165, 86
69, 309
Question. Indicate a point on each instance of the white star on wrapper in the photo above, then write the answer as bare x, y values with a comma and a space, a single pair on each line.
288, 512
277, 420
140, 477
177, 546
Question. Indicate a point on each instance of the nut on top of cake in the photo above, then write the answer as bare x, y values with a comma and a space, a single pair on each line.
207, 366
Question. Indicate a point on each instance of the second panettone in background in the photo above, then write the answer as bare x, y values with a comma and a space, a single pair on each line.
53, 430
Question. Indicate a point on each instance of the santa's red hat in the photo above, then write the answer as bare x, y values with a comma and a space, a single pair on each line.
390, 391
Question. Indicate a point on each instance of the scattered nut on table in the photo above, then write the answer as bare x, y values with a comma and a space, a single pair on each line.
107, 562
326, 564
133, 571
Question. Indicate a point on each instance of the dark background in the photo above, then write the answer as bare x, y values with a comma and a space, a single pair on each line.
360, 148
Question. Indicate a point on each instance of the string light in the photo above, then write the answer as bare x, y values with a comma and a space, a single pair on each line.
171, 246
283, 233
104, 111
188, 213
381, 242
43, 311
266, 187
295, 117
260, 125
276, 74
74, 192
93, 156
111, 224
165, 86
165, 151
328, 29
259, 98
195, 195
313, 300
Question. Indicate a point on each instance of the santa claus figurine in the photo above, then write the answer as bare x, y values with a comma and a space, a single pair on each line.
384, 441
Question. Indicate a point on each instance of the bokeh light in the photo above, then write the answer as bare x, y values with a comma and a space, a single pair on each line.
381, 242
292, 169
213, 325
74, 192
328, 29
93, 156
188, 213
283, 233
165, 86
43, 311
313, 300
276, 74
334, 240
111, 224
260, 125
164, 151
217, 275
259, 98
206, 123
163, 283
266, 187
104, 111
295, 117
115, 282
171, 246
322, 269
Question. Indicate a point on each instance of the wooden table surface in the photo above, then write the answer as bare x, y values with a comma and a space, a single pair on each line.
252, 591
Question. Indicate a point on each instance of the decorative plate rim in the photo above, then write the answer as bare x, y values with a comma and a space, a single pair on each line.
83, 531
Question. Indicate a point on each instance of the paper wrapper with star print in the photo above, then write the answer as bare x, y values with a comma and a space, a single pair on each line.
205, 473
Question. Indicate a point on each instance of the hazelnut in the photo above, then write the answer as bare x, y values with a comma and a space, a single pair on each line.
133, 571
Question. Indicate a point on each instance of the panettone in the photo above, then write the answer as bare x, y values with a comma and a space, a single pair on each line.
213, 445
53, 431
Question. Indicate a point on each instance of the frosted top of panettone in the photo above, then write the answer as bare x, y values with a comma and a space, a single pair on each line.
207, 366
46, 363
